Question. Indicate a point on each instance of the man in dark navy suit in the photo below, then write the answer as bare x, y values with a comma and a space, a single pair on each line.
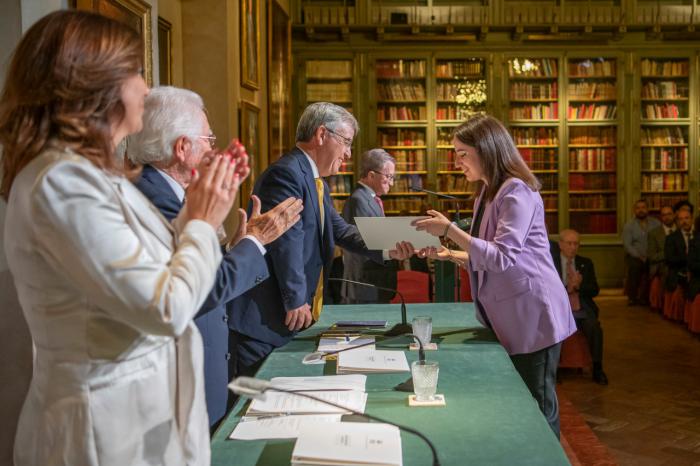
578, 275
175, 137
269, 315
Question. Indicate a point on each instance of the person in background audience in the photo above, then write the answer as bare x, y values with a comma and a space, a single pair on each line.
676, 250
694, 263
656, 240
376, 179
578, 275
634, 239
175, 137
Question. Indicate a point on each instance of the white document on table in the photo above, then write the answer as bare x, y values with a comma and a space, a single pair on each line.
277, 427
385, 232
372, 361
289, 403
324, 382
348, 443
327, 344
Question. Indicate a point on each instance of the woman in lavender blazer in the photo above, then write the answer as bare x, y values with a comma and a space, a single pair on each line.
517, 290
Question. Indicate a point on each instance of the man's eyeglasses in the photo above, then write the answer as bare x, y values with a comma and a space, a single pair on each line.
211, 139
343, 139
388, 177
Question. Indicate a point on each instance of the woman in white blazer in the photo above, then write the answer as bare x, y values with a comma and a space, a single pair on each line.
107, 286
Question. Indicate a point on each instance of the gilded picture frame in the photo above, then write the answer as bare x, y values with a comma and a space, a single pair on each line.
279, 51
133, 13
250, 44
250, 138
165, 62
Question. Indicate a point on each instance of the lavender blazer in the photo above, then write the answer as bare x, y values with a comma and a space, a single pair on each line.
512, 273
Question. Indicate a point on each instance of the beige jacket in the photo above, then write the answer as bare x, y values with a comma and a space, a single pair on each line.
109, 290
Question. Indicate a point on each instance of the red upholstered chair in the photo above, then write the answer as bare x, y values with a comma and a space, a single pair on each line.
656, 294
694, 322
575, 353
465, 291
687, 311
413, 285
674, 304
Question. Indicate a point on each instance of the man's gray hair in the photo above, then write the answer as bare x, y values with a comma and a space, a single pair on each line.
373, 161
324, 114
169, 113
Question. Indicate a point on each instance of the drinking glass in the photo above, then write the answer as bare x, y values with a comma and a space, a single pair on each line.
425, 377
423, 328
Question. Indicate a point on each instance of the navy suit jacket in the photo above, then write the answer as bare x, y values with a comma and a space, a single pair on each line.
242, 268
676, 259
295, 259
589, 288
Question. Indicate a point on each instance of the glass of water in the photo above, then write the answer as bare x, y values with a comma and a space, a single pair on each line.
425, 378
423, 328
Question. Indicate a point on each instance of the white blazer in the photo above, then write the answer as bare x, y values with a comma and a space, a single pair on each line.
109, 290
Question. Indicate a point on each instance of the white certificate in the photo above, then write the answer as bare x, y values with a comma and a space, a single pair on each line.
385, 232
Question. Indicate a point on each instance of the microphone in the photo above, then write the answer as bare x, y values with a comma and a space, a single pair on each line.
255, 388
319, 355
398, 329
462, 224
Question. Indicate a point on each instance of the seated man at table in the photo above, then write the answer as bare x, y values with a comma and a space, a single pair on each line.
578, 274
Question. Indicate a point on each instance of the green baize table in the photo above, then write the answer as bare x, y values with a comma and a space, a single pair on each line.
490, 417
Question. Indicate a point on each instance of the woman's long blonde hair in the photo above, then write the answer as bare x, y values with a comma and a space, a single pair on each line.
64, 86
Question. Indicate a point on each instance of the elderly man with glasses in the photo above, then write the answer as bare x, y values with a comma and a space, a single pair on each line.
300, 260
376, 179
175, 137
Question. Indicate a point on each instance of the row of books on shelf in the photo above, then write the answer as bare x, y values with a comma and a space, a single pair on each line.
593, 159
535, 112
459, 69
665, 110
591, 91
400, 68
550, 201
325, 69
452, 184
549, 181
593, 135
592, 112
331, 92
414, 91
409, 160
591, 182
652, 67
400, 137
664, 158
592, 68
401, 113
664, 90
533, 68
593, 201
340, 184
540, 159
403, 205
664, 181
665, 135
403, 183
454, 112
593, 222
535, 136
657, 201
448, 90
528, 91
444, 136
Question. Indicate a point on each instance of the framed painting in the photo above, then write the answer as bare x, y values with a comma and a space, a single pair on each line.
279, 51
133, 13
165, 63
250, 44
250, 138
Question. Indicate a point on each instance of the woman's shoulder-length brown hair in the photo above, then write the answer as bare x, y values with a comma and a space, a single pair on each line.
63, 88
499, 157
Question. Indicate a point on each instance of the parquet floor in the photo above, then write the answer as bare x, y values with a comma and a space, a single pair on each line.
649, 414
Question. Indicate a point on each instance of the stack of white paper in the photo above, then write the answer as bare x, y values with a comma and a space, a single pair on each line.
372, 362
325, 382
290, 403
264, 427
348, 443
327, 344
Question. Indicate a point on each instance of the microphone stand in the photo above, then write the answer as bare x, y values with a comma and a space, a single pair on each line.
398, 329
457, 287
318, 355
240, 386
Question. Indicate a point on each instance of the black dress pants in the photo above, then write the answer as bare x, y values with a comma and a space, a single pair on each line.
539, 372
